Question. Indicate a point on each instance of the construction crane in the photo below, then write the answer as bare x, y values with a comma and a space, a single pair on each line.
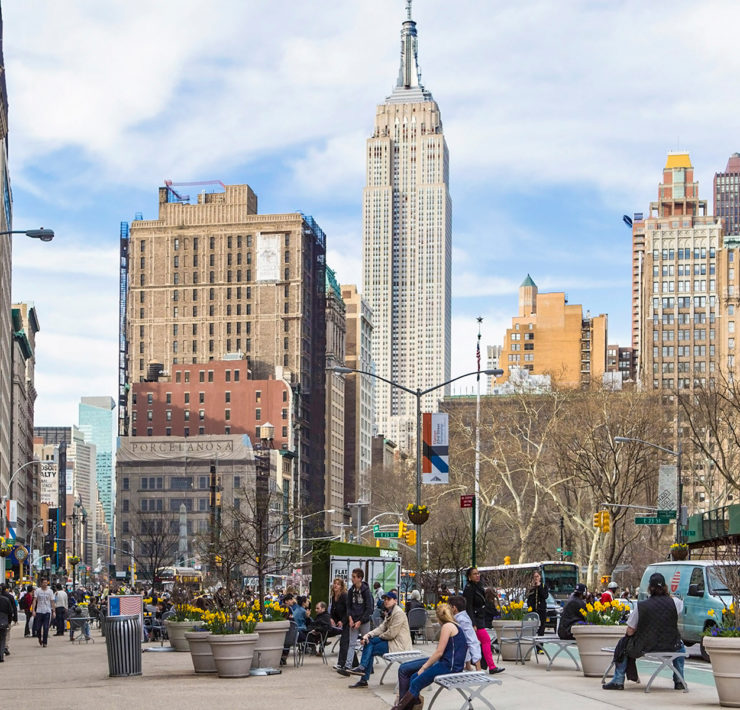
174, 196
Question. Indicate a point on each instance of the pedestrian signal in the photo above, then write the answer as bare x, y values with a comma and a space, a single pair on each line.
507, 560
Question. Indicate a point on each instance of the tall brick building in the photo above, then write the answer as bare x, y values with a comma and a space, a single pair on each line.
215, 281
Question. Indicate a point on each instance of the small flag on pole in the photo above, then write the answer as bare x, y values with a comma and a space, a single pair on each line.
477, 347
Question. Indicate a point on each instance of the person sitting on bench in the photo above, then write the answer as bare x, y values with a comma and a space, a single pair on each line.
652, 626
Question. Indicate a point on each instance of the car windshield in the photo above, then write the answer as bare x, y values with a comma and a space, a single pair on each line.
719, 577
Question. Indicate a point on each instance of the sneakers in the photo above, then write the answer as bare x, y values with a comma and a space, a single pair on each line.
357, 670
677, 685
362, 683
613, 686
497, 669
343, 671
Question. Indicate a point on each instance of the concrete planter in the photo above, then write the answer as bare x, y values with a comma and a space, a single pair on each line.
200, 651
232, 654
176, 633
725, 656
269, 647
590, 639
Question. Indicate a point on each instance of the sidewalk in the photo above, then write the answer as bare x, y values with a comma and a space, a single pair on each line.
66, 676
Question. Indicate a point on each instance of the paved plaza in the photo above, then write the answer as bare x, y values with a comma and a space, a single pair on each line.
66, 675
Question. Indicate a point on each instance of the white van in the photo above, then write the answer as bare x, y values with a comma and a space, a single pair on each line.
697, 583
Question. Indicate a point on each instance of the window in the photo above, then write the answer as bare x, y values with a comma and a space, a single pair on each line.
124, 484
227, 396
258, 414
210, 375
227, 414
181, 483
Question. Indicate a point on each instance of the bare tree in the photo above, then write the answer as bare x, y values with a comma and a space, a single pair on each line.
155, 542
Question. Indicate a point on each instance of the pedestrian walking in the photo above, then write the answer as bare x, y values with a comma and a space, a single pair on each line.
7, 609
5, 592
43, 610
25, 603
475, 599
61, 602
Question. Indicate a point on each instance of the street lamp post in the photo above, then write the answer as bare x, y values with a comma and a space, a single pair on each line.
418, 393
7, 490
45, 235
679, 484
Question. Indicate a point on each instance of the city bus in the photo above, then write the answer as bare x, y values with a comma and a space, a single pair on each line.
188, 577
560, 577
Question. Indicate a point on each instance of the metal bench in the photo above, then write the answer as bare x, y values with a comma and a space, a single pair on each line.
664, 659
470, 684
400, 657
562, 644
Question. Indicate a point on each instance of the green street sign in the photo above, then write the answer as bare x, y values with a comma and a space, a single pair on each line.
385, 533
376, 527
689, 533
652, 521
670, 514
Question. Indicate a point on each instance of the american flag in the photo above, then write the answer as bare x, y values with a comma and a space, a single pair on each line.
477, 355
128, 605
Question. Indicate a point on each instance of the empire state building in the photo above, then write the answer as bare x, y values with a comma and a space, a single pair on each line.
407, 247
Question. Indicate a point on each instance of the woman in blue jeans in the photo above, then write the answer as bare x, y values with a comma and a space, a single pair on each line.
448, 657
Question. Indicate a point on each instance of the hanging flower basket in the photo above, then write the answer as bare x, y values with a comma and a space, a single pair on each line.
5, 551
679, 551
417, 514
74, 561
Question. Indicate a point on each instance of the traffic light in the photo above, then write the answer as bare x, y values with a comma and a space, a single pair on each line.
605, 579
597, 520
402, 529
605, 521
507, 560
411, 538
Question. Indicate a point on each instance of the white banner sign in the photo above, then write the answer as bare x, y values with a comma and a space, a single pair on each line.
49, 483
667, 491
268, 257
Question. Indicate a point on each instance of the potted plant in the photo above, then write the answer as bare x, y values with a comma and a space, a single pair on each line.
512, 613
186, 618
722, 642
417, 514
6, 547
272, 625
679, 551
232, 640
74, 560
602, 626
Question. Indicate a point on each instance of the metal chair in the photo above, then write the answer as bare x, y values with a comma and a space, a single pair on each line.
523, 635
291, 641
317, 640
418, 624
157, 626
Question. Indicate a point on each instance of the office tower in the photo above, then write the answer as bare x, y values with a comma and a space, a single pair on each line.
407, 245
336, 332
358, 398
6, 333
25, 488
96, 422
727, 196
675, 266
493, 362
215, 281
553, 337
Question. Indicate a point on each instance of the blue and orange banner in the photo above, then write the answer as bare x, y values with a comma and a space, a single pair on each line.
435, 462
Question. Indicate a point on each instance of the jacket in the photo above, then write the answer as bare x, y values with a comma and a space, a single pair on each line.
321, 624
338, 609
394, 630
7, 610
537, 598
571, 615
360, 605
475, 598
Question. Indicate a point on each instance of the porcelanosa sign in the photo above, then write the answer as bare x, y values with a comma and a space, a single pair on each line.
221, 449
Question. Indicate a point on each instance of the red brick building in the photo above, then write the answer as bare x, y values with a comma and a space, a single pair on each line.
212, 398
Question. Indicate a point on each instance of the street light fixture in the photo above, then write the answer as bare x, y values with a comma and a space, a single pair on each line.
679, 485
418, 393
45, 235
7, 490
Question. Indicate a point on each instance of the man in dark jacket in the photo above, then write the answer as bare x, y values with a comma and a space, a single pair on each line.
572, 612
8, 615
652, 626
360, 607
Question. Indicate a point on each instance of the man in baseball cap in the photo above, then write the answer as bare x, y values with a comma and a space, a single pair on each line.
572, 612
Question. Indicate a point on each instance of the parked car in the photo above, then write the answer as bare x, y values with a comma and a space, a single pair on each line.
700, 586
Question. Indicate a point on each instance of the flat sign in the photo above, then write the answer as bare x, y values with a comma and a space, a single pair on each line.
466, 501
652, 521
435, 462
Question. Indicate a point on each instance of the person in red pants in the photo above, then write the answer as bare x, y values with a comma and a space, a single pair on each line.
475, 599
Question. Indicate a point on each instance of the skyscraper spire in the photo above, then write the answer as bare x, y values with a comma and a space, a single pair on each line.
409, 87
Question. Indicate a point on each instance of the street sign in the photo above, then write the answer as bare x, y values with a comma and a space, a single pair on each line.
376, 527
385, 533
652, 521
467, 501
689, 533
670, 514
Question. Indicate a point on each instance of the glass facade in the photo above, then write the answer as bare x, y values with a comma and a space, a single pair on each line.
96, 421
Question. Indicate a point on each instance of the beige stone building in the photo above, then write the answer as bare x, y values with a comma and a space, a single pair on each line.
336, 329
549, 336
358, 411
215, 280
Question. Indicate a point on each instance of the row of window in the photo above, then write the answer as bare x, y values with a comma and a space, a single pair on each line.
177, 483
186, 431
698, 253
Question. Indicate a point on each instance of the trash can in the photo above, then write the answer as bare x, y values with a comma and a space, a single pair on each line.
123, 644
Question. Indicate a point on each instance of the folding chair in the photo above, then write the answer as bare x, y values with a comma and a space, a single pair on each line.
417, 619
317, 641
523, 635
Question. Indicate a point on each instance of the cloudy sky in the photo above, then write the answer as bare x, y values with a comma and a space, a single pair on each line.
558, 117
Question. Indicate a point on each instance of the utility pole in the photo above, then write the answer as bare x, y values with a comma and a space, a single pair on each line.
133, 565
